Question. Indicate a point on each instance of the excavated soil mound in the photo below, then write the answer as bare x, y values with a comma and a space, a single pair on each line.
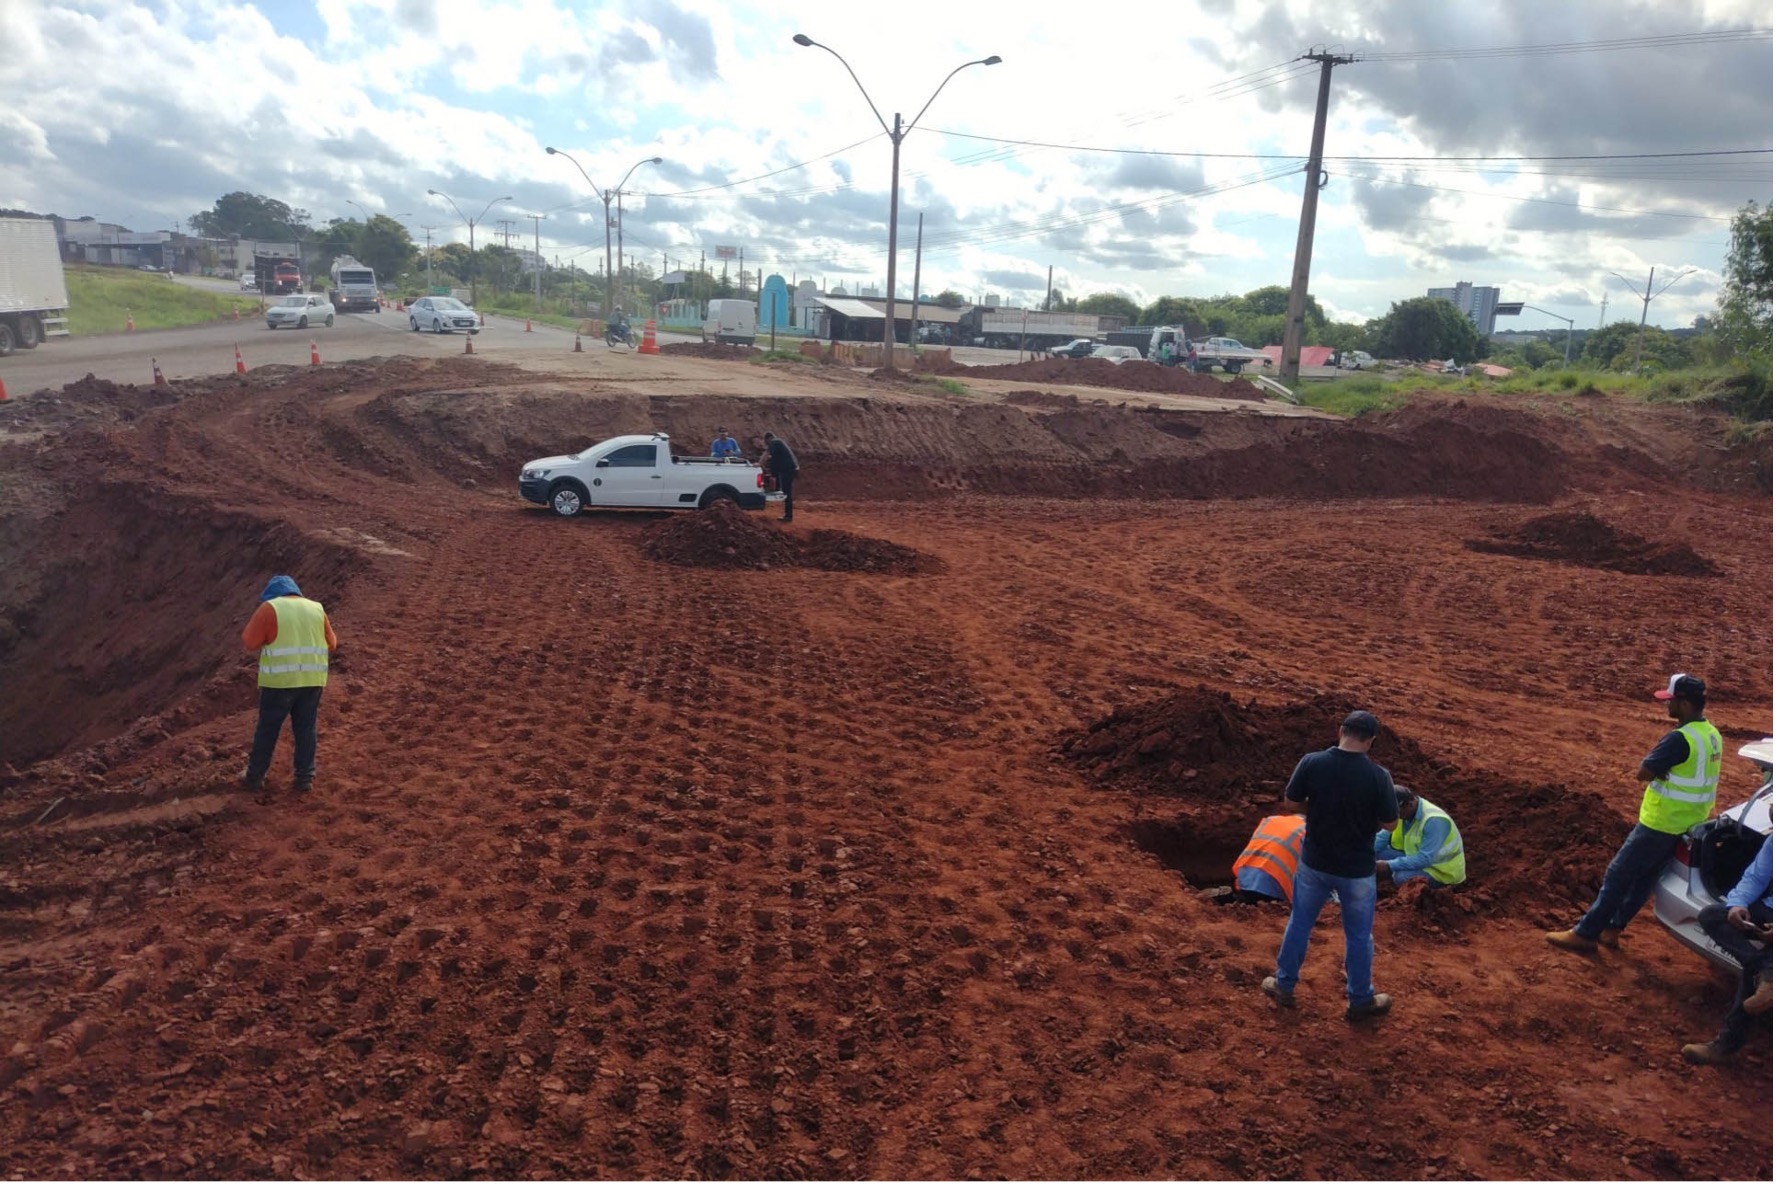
1037, 399
87, 401
708, 350
1225, 763
1130, 377
723, 536
1577, 538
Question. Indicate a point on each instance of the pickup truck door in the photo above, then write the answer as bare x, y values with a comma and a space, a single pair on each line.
630, 476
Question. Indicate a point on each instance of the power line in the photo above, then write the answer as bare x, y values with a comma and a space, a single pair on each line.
1421, 185
1660, 41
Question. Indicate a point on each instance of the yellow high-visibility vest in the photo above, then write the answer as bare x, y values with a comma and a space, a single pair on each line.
1685, 795
1448, 865
297, 658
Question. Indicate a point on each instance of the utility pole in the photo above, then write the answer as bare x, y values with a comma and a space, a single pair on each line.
920, 227
428, 231
537, 263
1306, 225
1603, 297
621, 297
1649, 294
1049, 285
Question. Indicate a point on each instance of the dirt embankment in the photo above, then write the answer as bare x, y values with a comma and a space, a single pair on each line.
1128, 377
709, 350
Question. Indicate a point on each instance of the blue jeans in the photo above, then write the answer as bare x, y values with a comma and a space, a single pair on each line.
1630, 880
1358, 903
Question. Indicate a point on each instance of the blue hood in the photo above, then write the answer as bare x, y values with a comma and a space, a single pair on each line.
280, 587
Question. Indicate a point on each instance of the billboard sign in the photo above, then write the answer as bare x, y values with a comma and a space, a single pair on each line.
725, 252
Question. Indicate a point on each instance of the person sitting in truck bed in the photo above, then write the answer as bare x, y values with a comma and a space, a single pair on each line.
724, 446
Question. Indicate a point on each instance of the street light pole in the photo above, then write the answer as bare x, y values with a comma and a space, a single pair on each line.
1569, 338
606, 197
1649, 294
472, 233
896, 134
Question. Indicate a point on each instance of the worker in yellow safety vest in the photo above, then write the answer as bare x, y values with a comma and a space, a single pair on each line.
1268, 866
1424, 846
293, 638
1681, 789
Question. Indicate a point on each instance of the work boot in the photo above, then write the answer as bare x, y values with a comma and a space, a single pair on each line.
1285, 997
1713, 1052
252, 782
1761, 1000
1379, 1004
302, 785
1571, 940
1609, 936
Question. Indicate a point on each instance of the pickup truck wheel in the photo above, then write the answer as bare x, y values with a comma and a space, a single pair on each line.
566, 500
6, 340
717, 494
30, 333
1233, 368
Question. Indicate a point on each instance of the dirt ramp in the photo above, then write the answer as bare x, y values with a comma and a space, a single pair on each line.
1577, 538
723, 536
708, 350
1223, 764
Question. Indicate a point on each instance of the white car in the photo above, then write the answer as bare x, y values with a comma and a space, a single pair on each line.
1117, 354
1709, 860
1357, 360
441, 315
300, 310
641, 471
249, 283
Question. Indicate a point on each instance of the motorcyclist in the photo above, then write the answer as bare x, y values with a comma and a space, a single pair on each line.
617, 327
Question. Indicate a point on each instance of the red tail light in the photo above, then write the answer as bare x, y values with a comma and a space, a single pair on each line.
760, 479
1683, 852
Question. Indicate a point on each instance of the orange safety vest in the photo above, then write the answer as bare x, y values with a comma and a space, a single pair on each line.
1274, 849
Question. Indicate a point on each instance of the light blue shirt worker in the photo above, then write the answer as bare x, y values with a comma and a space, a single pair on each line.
1756, 879
724, 445
1403, 866
1249, 878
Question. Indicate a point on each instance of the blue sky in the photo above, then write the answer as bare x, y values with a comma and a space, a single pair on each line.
143, 113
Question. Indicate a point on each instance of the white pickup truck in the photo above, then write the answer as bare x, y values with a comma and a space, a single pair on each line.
1227, 353
640, 471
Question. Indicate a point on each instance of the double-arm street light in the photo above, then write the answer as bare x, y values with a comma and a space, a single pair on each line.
606, 196
367, 214
895, 134
472, 232
1570, 337
1649, 293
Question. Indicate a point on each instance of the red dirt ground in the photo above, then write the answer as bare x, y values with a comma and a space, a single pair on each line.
725, 537
708, 350
1582, 539
619, 868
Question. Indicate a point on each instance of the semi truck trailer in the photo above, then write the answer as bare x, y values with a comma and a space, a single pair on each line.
33, 291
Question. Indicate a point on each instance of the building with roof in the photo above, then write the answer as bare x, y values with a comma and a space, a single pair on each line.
1482, 304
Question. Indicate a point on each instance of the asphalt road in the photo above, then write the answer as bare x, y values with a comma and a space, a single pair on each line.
209, 349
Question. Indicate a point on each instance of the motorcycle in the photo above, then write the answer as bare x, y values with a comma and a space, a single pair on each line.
620, 333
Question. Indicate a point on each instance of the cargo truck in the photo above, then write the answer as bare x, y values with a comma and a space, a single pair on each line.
1008, 329
354, 286
33, 291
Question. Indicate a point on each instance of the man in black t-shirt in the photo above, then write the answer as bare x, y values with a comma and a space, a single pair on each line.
781, 463
1346, 799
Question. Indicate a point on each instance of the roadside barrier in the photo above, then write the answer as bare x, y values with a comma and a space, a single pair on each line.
648, 339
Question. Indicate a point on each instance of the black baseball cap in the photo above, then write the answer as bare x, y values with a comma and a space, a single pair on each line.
1361, 725
1682, 687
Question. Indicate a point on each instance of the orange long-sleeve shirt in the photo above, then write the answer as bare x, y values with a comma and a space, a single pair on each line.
262, 628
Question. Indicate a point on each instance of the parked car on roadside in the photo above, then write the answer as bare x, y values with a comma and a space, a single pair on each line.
1709, 860
1357, 360
249, 283
442, 315
300, 311
1080, 348
1118, 354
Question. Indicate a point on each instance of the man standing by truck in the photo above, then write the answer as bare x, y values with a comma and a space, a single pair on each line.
781, 463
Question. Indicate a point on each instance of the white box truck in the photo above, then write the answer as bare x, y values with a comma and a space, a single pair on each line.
33, 292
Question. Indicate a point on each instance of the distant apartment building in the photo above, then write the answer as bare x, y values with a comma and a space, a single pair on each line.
1482, 304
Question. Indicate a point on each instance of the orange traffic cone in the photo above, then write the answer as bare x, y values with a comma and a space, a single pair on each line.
648, 339
129, 321
577, 342
484, 318
401, 306
237, 313
314, 354
240, 367
3, 395
528, 325
159, 379
469, 345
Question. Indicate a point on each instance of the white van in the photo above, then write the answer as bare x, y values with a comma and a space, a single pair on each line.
731, 322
